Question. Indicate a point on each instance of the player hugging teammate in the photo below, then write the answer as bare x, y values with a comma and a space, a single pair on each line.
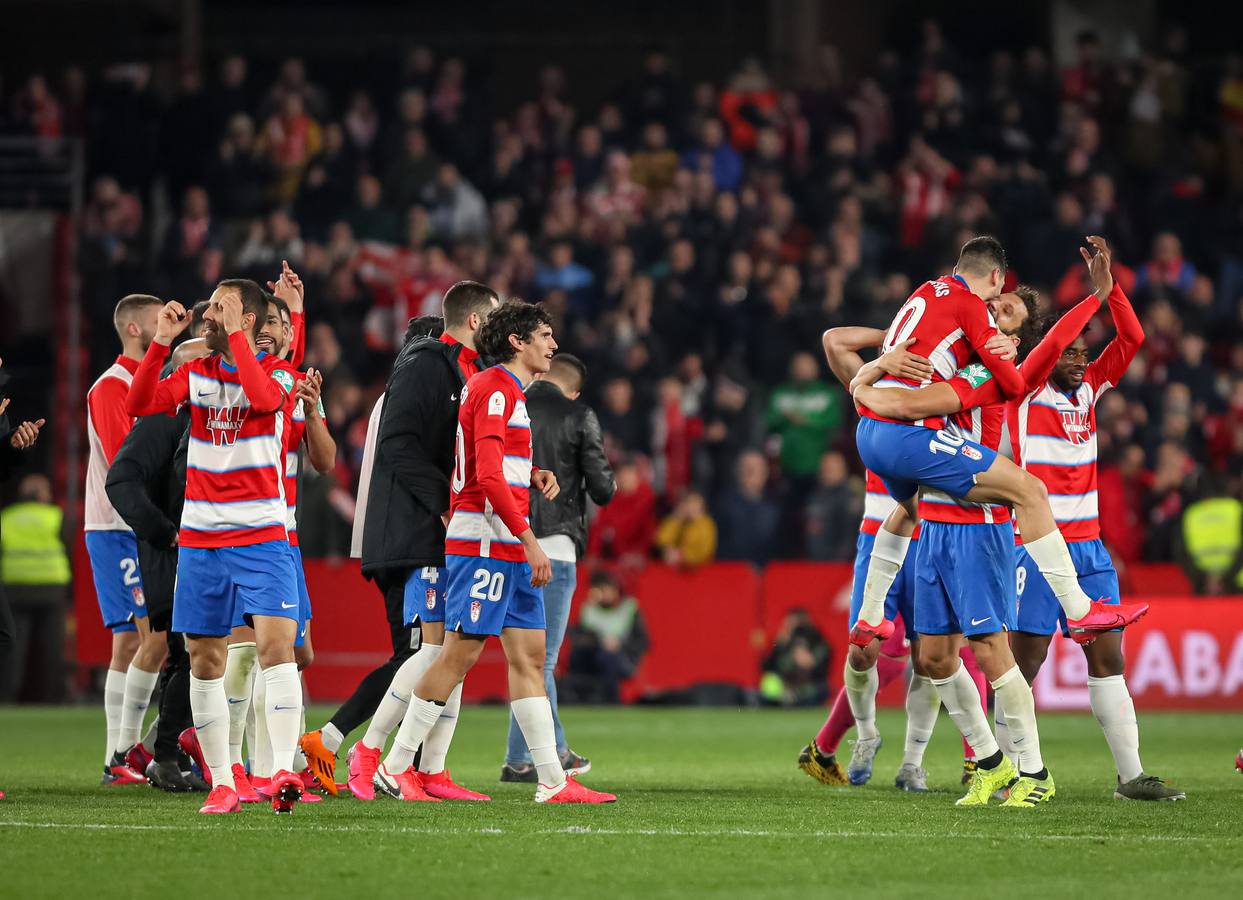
934, 434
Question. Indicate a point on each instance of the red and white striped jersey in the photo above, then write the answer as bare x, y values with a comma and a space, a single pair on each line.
239, 416
490, 490
877, 504
1057, 443
982, 425
293, 441
1056, 431
107, 424
949, 325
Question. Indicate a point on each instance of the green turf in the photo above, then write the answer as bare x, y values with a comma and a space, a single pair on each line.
711, 804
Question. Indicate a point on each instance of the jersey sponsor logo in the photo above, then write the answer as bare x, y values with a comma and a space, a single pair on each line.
430, 598
1075, 422
224, 422
971, 453
475, 609
975, 374
283, 378
496, 404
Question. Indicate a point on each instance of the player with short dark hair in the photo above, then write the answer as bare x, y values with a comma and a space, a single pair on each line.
137, 653
399, 533
494, 562
233, 549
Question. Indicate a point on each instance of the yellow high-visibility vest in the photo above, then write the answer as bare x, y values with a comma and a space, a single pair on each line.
1213, 533
31, 551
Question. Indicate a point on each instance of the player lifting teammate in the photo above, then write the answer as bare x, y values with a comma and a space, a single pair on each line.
1052, 429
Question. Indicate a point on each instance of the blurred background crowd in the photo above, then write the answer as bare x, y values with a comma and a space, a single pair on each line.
693, 239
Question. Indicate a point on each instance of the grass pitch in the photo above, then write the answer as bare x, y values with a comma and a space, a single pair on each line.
712, 803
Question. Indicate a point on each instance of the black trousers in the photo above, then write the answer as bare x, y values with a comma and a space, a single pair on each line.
33, 668
362, 704
175, 714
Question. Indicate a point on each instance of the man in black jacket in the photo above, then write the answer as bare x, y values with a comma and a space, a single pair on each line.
12, 442
146, 485
566, 439
403, 537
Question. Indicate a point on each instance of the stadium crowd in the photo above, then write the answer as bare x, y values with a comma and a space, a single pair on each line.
692, 240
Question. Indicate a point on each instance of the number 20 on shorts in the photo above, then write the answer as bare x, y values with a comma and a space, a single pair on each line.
488, 585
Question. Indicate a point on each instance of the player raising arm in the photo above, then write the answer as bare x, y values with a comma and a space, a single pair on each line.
906, 457
233, 553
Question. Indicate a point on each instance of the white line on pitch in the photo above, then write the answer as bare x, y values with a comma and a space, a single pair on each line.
628, 832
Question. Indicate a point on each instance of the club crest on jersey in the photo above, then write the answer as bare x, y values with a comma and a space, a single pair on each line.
1077, 425
430, 597
475, 609
224, 422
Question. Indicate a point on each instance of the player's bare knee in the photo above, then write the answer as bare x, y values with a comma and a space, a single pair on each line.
1104, 655
1031, 491
303, 656
275, 653
863, 658
937, 662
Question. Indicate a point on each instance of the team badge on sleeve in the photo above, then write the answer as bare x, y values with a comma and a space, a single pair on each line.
496, 404
283, 378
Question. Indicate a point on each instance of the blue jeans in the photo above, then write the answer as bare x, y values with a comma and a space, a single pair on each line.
557, 596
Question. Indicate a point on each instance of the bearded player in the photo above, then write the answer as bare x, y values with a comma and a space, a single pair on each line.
233, 547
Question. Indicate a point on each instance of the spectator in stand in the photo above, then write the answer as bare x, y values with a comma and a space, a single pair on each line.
806, 414
184, 242
607, 644
457, 209
687, 536
655, 163
370, 219
239, 177
1122, 486
622, 531
290, 139
747, 516
1168, 270
715, 156
796, 670
625, 427
833, 512
616, 201
267, 243
413, 171
562, 273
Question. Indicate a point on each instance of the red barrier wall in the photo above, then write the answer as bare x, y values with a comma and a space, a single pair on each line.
714, 625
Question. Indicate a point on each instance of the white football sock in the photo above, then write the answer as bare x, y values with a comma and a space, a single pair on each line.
923, 703
861, 690
239, 685
299, 758
421, 717
1016, 697
114, 703
962, 702
1115, 711
888, 552
210, 709
436, 745
534, 717
139, 683
263, 745
148, 738
1002, 726
332, 737
392, 708
1053, 560
282, 707
249, 731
